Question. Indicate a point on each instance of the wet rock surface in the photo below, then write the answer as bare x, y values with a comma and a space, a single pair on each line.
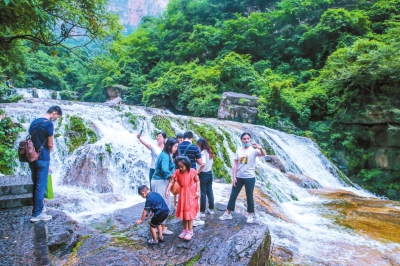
303, 181
116, 241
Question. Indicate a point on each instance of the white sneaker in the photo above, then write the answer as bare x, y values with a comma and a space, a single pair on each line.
210, 211
250, 219
41, 217
167, 232
198, 222
225, 216
44, 209
202, 215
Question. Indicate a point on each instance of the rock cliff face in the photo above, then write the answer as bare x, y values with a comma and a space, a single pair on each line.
132, 11
375, 131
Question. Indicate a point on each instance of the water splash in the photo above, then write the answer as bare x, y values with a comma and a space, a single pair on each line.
101, 177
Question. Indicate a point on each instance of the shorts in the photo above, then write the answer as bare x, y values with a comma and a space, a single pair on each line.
156, 220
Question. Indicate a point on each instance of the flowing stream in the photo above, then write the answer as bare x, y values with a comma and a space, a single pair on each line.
338, 224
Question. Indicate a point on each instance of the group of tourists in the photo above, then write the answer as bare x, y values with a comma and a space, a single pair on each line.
190, 166
174, 161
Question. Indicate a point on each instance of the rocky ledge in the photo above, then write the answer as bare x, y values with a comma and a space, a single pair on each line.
116, 241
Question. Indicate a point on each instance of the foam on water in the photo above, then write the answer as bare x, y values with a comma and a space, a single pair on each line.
310, 235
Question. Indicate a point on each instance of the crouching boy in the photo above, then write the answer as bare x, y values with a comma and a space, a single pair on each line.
156, 204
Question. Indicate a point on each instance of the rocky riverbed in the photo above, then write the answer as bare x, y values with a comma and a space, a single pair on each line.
116, 241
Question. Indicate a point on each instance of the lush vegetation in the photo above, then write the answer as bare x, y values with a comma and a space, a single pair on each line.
312, 64
8, 135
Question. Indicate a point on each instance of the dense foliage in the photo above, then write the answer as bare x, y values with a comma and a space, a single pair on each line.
311, 63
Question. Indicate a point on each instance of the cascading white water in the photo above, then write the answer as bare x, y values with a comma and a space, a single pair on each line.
37, 93
117, 163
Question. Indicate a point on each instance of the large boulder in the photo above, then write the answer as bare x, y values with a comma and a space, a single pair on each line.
238, 107
115, 91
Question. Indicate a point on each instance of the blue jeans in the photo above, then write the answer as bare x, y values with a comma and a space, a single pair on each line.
248, 184
206, 179
39, 170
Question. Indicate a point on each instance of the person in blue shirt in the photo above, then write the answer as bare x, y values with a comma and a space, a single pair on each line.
41, 131
156, 204
186, 148
164, 168
9, 84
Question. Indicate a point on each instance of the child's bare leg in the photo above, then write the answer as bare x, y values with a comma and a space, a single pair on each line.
160, 230
185, 225
153, 232
190, 225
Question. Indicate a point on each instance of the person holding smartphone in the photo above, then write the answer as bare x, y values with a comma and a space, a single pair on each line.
154, 149
244, 175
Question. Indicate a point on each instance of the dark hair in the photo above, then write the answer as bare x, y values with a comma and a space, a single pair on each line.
179, 136
55, 109
141, 188
244, 134
169, 144
188, 135
185, 160
203, 144
9, 78
162, 134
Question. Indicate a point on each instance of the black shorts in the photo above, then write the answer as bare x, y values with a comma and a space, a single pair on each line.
156, 220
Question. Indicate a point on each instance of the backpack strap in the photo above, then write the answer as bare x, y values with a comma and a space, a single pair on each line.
184, 153
30, 136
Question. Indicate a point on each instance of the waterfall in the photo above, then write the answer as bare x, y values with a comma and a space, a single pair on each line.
100, 177
38, 93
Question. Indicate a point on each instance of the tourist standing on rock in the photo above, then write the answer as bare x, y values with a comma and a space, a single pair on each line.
244, 175
164, 168
188, 203
206, 177
154, 149
41, 131
186, 148
155, 204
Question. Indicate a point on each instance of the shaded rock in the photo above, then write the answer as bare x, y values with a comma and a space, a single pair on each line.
303, 181
274, 162
238, 107
280, 255
373, 114
113, 92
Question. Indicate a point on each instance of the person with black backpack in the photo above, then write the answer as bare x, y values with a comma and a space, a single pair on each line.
41, 131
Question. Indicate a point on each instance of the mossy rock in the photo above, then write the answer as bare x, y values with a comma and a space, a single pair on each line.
78, 134
164, 124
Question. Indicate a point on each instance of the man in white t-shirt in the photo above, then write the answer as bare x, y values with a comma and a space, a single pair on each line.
154, 149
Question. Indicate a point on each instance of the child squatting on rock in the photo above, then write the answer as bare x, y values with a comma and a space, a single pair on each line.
156, 204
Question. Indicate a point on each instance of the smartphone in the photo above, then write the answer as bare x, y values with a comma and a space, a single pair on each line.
141, 131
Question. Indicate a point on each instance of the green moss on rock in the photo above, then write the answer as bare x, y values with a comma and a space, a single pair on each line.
134, 119
164, 124
78, 134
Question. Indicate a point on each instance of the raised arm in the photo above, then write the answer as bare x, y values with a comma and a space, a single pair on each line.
139, 136
261, 150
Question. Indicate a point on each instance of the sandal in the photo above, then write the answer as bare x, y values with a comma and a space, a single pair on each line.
161, 239
182, 235
152, 242
189, 235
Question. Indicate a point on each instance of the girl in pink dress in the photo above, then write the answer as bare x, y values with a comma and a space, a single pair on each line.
188, 203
